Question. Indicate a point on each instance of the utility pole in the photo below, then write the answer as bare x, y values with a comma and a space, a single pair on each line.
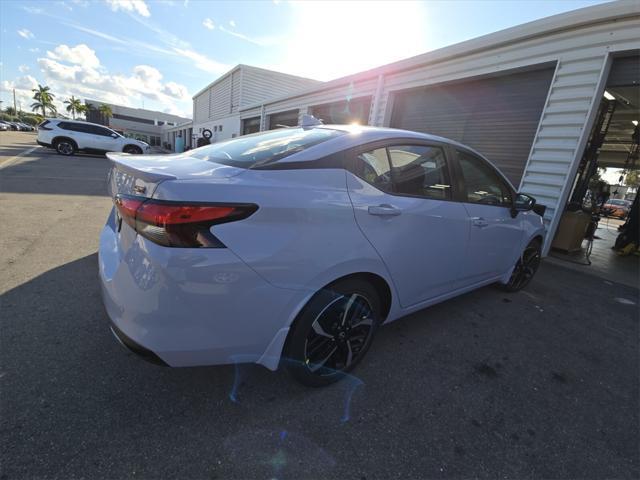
14, 102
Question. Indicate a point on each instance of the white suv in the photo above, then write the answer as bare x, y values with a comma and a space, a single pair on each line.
69, 136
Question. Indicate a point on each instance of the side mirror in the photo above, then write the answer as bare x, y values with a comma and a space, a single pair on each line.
522, 203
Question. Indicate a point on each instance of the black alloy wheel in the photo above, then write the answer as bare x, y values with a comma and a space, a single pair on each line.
525, 268
333, 333
65, 147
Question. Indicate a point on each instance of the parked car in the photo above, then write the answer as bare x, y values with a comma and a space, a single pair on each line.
68, 137
13, 126
24, 127
616, 208
4, 127
291, 247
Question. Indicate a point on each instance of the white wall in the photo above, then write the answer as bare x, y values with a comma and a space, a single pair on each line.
230, 125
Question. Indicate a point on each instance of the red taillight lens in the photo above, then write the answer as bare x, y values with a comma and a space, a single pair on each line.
175, 224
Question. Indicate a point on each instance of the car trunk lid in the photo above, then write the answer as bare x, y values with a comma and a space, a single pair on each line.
141, 174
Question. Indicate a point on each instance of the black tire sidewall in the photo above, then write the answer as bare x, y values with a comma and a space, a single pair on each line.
532, 244
132, 150
293, 353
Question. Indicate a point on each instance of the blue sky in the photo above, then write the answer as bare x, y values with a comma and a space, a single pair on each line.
159, 53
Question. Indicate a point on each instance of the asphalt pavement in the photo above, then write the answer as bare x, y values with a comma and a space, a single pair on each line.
539, 384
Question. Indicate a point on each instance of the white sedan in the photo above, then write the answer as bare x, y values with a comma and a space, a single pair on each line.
291, 247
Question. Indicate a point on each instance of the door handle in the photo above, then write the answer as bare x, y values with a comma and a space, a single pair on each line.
384, 210
479, 222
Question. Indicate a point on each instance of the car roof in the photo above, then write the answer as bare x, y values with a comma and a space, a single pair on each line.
361, 134
75, 121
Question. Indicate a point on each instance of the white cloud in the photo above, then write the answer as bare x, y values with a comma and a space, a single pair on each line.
260, 41
33, 10
232, 23
64, 5
78, 71
81, 3
176, 48
25, 83
34, 50
24, 33
176, 90
23, 87
78, 55
208, 23
23, 68
202, 61
137, 6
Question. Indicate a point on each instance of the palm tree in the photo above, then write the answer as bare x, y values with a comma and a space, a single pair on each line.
43, 100
74, 105
106, 111
82, 109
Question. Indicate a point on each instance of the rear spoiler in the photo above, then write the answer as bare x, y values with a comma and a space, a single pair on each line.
136, 166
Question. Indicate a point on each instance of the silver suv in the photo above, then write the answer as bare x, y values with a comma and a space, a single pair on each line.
68, 137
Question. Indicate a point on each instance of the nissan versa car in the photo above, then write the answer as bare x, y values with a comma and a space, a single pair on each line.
291, 247
69, 136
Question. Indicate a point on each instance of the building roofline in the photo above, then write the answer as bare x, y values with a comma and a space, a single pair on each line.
99, 102
595, 14
217, 80
268, 70
241, 66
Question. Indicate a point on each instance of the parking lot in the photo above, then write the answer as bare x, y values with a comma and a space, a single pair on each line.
539, 384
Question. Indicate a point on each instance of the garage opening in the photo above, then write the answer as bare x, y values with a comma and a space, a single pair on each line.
283, 119
250, 125
345, 112
600, 224
498, 115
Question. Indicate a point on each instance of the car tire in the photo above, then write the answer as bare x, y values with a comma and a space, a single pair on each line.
333, 332
65, 146
132, 149
526, 267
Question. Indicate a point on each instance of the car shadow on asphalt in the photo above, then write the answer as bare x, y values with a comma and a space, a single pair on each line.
542, 383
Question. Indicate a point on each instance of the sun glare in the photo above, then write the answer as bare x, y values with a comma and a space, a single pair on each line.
333, 39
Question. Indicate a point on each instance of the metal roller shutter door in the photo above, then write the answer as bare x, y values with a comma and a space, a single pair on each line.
625, 71
345, 112
498, 116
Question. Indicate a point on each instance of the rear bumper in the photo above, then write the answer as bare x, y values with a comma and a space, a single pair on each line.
189, 307
135, 347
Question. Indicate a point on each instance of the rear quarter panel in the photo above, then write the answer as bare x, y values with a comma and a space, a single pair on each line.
303, 235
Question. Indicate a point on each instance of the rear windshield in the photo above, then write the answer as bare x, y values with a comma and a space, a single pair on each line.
262, 148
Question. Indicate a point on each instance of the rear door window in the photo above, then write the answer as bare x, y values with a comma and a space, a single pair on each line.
373, 167
420, 170
482, 184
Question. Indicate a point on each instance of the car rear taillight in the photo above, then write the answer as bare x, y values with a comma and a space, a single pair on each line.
43, 125
178, 224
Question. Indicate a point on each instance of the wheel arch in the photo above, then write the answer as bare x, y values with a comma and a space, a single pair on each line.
379, 283
55, 140
272, 356
132, 145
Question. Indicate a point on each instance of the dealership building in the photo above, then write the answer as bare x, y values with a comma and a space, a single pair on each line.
145, 125
530, 98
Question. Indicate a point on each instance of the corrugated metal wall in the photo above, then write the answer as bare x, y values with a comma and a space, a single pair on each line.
243, 86
259, 84
576, 90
